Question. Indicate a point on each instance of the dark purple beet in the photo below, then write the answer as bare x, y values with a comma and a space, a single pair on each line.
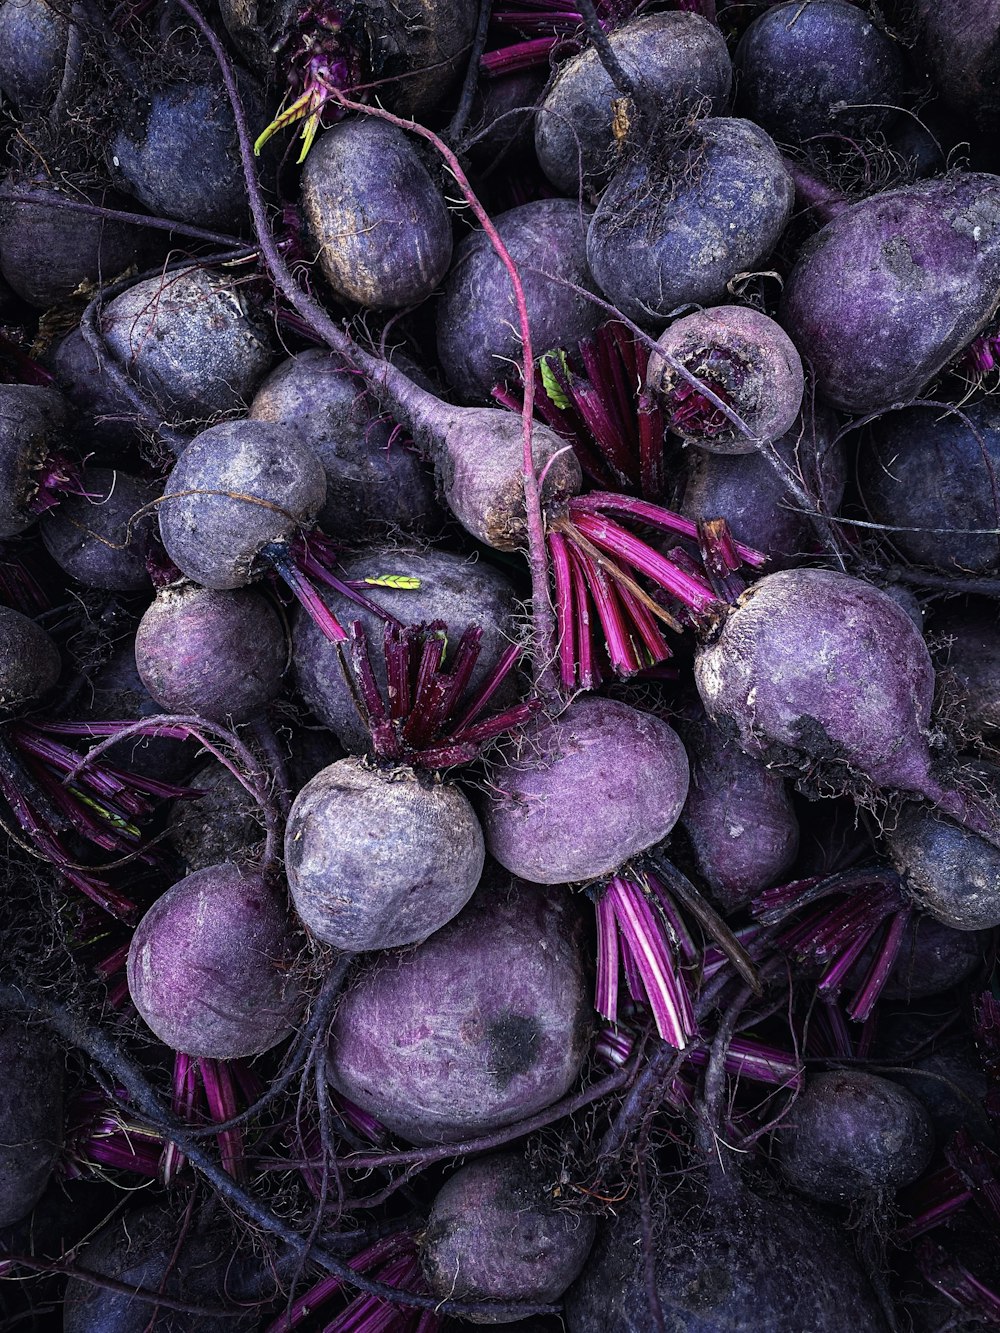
951, 872
33, 38
663, 234
932, 959
968, 635
851, 1135
33, 425
738, 817
116, 694
373, 480
577, 797
503, 133
381, 224
219, 654
961, 44
888, 292
432, 1044
822, 69
953, 1088
31, 1112
209, 965
102, 539
191, 341
674, 59
106, 415
47, 252
235, 489
453, 589
222, 823
29, 660
495, 1233
478, 335
377, 860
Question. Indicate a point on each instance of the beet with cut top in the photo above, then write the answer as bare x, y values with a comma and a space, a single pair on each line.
486, 1022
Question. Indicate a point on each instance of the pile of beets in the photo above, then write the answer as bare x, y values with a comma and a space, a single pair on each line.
499, 666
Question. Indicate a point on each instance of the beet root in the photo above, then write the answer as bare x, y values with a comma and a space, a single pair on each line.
33, 425
31, 1111
102, 538
208, 965
429, 1042
30, 664
628, 769
379, 860
493, 1233
951, 872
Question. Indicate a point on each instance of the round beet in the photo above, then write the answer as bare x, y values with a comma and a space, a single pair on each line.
219, 654
486, 1022
31, 1111
190, 340
235, 489
494, 1233
33, 38
34, 422
377, 860
30, 664
208, 966
100, 410
674, 59
951, 872
747, 360
101, 538
381, 224
850, 1135
224, 821
478, 335
664, 233
932, 959
584, 793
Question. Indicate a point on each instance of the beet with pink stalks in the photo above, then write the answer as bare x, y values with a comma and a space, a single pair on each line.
673, 59
495, 1233
101, 537
894, 287
435, 1048
208, 966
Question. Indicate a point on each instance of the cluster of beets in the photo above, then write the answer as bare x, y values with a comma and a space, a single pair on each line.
499, 666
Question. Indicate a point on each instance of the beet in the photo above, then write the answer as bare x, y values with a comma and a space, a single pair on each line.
742, 1264
33, 425
478, 335
237, 488
953, 1089
850, 1135
673, 59
219, 654
101, 538
379, 221
457, 591
373, 480
31, 1109
378, 860
951, 872
932, 959
101, 411
190, 340
429, 1042
888, 292
824, 69
962, 47
746, 360
582, 794
494, 1233
30, 664
663, 234
223, 821
33, 39
969, 635
208, 966
496, 131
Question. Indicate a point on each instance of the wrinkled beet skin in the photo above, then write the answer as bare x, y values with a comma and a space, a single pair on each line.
381, 224
748, 1266
29, 660
453, 589
581, 795
373, 481
794, 65
738, 818
31, 1112
485, 1023
34, 422
787, 668
924, 469
852, 1135
493, 1233
208, 965
219, 654
236, 488
359, 882
676, 58
951, 872
969, 639
102, 541
478, 335
662, 238
886, 294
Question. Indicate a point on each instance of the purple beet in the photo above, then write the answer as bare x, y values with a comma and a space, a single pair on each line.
209, 965
30, 664
429, 1043
33, 425
222, 822
626, 767
968, 633
961, 44
219, 654
33, 40
101, 537
951, 872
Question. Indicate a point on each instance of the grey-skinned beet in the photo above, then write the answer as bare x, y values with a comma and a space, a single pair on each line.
34, 424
